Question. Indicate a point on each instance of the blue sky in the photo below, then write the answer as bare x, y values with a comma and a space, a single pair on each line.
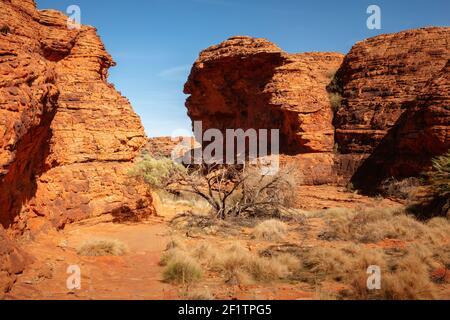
155, 42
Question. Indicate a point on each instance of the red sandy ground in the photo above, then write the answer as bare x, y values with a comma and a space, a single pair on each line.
137, 275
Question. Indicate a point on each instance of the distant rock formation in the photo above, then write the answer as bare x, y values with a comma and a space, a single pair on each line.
379, 77
67, 137
170, 147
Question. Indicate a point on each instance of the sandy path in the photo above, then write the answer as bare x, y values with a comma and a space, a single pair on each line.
136, 275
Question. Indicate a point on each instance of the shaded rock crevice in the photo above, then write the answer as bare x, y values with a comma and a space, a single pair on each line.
19, 185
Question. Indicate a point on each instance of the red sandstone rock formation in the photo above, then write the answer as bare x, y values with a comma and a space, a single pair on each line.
392, 121
380, 78
246, 83
170, 147
425, 129
67, 137
421, 133
396, 103
12, 262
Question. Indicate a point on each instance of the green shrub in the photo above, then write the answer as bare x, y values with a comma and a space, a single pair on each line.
335, 91
439, 179
335, 100
157, 173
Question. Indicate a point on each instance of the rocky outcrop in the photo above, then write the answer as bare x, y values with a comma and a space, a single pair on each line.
247, 83
425, 128
12, 262
422, 132
67, 137
392, 120
170, 147
380, 79
395, 104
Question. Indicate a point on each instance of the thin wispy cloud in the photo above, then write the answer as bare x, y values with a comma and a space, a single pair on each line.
179, 73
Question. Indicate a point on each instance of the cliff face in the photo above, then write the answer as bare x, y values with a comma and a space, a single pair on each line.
422, 132
67, 137
425, 129
380, 78
251, 83
396, 103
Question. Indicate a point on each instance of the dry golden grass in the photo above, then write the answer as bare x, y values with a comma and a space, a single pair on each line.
170, 255
440, 224
102, 247
338, 263
407, 269
180, 268
374, 225
208, 255
405, 275
291, 262
193, 202
236, 259
175, 243
204, 224
406, 272
405, 278
400, 189
199, 295
270, 230
236, 263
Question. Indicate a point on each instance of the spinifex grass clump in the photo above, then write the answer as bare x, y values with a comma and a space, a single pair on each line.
180, 268
270, 230
439, 179
102, 247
